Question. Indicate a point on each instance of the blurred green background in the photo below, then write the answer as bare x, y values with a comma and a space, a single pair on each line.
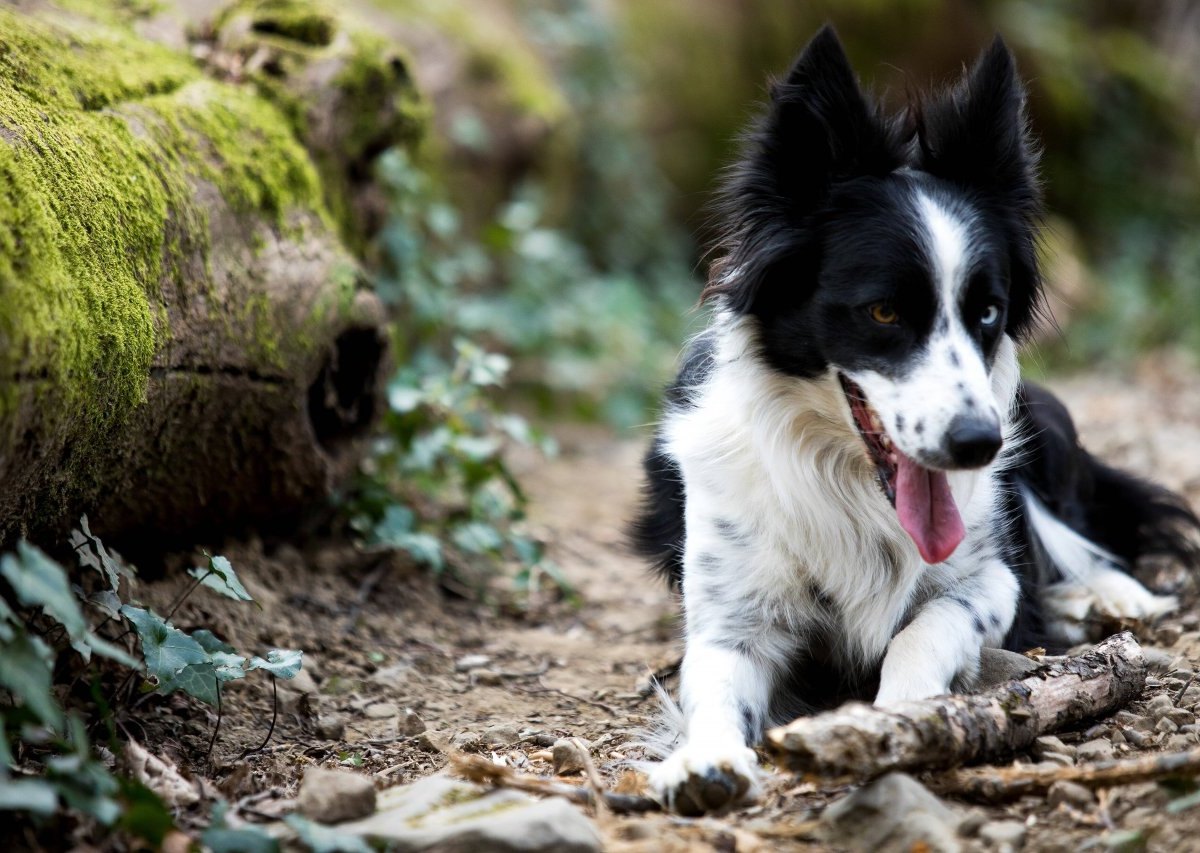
582, 259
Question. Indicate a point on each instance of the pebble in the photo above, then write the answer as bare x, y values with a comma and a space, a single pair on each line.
332, 796
1135, 737
1166, 726
431, 742
1095, 750
440, 813
1180, 743
485, 677
1168, 634
1004, 834
1159, 705
1057, 759
892, 814
1049, 744
569, 755
330, 728
997, 666
1070, 793
1181, 717
381, 711
1157, 660
466, 741
469, 662
412, 725
501, 734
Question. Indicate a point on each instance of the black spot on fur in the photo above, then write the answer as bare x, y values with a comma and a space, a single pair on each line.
919, 427
899, 423
954, 360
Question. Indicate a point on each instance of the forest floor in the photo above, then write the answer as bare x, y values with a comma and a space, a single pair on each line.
385, 645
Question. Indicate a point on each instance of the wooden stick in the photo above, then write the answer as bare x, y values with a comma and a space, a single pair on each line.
476, 768
996, 784
859, 741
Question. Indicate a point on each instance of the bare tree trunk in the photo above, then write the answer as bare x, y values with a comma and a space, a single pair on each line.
859, 741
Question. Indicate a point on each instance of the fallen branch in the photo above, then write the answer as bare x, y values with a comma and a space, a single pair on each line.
993, 784
476, 768
859, 741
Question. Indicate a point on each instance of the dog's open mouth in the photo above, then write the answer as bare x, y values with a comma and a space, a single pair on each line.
921, 496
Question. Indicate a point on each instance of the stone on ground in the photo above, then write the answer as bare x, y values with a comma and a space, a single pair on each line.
996, 666
332, 796
893, 813
439, 813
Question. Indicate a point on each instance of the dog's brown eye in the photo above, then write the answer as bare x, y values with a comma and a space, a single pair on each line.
884, 314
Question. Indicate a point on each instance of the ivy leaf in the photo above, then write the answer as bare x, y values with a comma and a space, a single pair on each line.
228, 667
94, 555
198, 680
39, 581
282, 663
26, 666
29, 795
477, 538
220, 577
325, 839
107, 602
167, 650
210, 642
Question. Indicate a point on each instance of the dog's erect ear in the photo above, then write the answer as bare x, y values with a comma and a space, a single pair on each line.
977, 136
819, 129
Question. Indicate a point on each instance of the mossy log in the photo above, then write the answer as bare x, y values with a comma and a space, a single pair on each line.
184, 344
859, 741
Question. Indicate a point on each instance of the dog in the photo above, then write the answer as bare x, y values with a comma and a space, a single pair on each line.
850, 484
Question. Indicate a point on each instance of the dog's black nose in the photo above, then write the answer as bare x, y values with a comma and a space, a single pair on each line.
973, 441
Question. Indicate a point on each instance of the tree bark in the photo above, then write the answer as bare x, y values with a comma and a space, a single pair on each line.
185, 346
859, 741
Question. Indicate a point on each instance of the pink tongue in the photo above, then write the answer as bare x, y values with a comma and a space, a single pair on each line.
927, 511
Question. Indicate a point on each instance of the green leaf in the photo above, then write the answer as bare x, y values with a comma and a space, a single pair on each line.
94, 555
144, 816
29, 795
210, 642
325, 839
282, 663
107, 602
167, 650
26, 667
220, 838
198, 680
477, 538
220, 577
228, 667
39, 581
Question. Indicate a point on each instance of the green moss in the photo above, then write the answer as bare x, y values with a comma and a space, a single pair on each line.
306, 22
103, 138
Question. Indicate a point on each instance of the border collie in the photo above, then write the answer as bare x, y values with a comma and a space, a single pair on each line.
850, 484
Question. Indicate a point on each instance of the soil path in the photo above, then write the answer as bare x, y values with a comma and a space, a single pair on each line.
388, 653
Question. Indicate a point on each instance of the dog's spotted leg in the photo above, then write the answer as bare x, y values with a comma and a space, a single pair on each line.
724, 694
940, 646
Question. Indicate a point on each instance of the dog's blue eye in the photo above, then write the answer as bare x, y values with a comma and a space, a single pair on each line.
990, 315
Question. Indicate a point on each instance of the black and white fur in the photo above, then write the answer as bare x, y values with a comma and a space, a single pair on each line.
763, 501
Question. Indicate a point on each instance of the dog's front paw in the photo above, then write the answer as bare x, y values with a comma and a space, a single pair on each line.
695, 780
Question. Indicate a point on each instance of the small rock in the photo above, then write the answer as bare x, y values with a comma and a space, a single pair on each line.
331, 727
467, 741
997, 666
1191, 696
1166, 726
1095, 750
1118, 737
469, 662
381, 711
1058, 759
1135, 737
332, 796
412, 725
439, 813
569, 755
431, 742
892, 814
544, 739
1071, 794
1157, 660
1181, 717
393, 677
1168, 634
1048, 744
1180, 743
1159, 705
486, 677
501, 734
1004, 834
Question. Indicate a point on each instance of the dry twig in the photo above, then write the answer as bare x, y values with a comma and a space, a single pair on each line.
476, 768
993, 784
859, 741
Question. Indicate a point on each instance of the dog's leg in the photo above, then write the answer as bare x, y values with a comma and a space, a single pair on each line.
942, 642
730, 666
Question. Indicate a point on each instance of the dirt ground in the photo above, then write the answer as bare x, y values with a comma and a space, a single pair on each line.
508, 677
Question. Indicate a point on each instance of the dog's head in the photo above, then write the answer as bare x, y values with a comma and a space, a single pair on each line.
898, 253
